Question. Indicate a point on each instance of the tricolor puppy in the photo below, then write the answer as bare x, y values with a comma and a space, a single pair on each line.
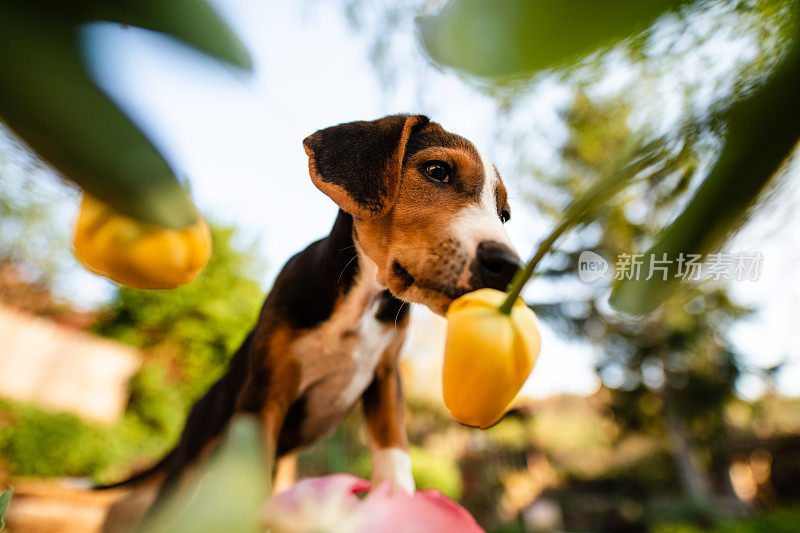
421, 220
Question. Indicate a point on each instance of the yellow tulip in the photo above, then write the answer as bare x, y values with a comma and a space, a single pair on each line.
488, 356
136, 253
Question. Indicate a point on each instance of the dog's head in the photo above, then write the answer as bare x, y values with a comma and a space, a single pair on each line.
428, 208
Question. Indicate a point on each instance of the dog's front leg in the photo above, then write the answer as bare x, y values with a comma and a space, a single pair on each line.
383, 410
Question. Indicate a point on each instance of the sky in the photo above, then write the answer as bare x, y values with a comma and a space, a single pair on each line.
238, 138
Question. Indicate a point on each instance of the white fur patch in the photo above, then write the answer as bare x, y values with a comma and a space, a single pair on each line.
480, 221
374, 337
488, 200
392, 465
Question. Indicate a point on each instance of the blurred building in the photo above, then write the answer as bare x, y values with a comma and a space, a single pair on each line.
60, 368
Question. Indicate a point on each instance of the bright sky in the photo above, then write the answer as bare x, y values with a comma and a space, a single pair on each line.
238, 139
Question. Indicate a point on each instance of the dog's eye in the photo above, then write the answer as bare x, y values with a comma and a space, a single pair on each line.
437, 171
505, 216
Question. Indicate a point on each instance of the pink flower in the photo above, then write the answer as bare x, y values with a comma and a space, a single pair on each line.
329, 504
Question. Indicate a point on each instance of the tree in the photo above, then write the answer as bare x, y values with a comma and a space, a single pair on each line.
670, 373
190, 332
33, 248
506, 40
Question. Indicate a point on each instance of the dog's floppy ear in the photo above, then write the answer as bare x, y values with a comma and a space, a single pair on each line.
358, 164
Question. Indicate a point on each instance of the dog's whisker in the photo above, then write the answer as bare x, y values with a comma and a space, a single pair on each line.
397, 317
345, 268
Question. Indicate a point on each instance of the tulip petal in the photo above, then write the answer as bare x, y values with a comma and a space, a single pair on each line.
488, 356
138, 254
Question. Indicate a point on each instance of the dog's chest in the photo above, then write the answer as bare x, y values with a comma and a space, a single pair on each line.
338, 359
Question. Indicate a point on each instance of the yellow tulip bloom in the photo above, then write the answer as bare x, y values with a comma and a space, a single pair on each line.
488, 356
136, 253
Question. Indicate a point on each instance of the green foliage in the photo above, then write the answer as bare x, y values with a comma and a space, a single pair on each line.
670, 375
193, 330
763, 130
38, 443
187, 334
778, 521
154, 401
344, 451
35, 442
48, 98
514, 38
5, 499
438, 471
30, 237
502, 38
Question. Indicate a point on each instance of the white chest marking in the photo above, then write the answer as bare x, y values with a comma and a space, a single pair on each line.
339, 357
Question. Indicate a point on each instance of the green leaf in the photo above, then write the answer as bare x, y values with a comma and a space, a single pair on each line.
5, 499
226, 493
502, 38
763, 130
192, 21
48, 99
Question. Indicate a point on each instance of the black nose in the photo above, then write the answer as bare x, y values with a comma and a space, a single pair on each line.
495, 265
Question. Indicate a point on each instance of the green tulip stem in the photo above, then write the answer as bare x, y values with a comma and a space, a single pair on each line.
524, 274
614, 176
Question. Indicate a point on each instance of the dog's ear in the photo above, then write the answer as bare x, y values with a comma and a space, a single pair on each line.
358, 164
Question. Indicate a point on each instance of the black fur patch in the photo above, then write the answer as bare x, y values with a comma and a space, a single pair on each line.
291, 435
391, 309
357, 156
306, 290
402, 273
432, 134
207, 420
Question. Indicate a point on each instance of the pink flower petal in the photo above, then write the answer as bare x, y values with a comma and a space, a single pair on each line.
319, 488
427, 511
329, 504
314, 504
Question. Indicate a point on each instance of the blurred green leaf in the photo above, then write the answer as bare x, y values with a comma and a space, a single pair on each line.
5, 499
226, 493
762, 132
192, 21
499, 38
47, 97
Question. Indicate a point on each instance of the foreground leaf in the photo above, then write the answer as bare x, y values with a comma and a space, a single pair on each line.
226, 492
192, 21
48, 99
5, 499
763, 130
499, 38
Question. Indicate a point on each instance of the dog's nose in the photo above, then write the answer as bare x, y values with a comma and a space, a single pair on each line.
495, 265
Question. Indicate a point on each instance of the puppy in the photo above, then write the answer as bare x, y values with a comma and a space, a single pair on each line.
421, 220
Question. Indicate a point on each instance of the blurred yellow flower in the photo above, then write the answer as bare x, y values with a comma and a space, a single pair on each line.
488, 356
136, 253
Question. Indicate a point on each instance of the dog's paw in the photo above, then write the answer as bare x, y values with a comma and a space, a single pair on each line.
392, 465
